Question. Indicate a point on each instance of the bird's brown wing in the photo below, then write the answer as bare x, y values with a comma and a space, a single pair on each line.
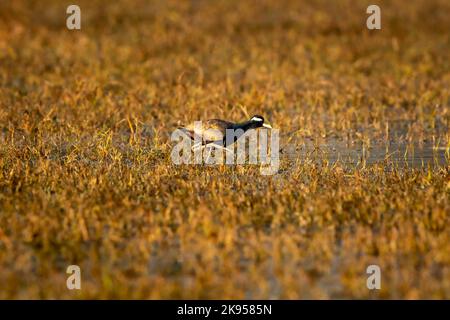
190, 133
209, 130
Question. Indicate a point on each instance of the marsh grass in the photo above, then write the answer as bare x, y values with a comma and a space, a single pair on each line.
86, 176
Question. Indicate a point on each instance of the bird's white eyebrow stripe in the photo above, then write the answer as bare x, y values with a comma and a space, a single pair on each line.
257, 119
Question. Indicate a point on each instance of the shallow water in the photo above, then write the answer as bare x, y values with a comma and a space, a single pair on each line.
395, 151
415, 155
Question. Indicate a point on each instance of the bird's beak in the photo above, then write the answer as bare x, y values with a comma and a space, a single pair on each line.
268, 126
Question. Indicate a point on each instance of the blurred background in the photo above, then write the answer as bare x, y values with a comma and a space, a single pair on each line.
85, 171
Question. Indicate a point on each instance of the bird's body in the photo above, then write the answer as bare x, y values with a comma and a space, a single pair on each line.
214, 131
211, 130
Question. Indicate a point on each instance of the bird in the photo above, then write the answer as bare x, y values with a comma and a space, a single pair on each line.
213, 132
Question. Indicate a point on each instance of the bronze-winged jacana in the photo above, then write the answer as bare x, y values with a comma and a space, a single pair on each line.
213, 132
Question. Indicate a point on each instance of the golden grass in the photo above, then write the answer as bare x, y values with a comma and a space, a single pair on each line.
85, 170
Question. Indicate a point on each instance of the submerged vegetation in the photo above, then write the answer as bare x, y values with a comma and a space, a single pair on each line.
86, 176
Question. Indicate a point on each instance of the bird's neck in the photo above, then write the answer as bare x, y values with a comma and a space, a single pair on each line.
244, 125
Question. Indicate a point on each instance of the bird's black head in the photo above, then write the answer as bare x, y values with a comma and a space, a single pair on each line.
258, 121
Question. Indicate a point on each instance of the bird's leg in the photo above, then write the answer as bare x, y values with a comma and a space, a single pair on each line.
208, 153
221, 147
196, 146
210, 147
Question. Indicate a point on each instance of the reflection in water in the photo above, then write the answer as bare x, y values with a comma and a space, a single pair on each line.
394, 151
